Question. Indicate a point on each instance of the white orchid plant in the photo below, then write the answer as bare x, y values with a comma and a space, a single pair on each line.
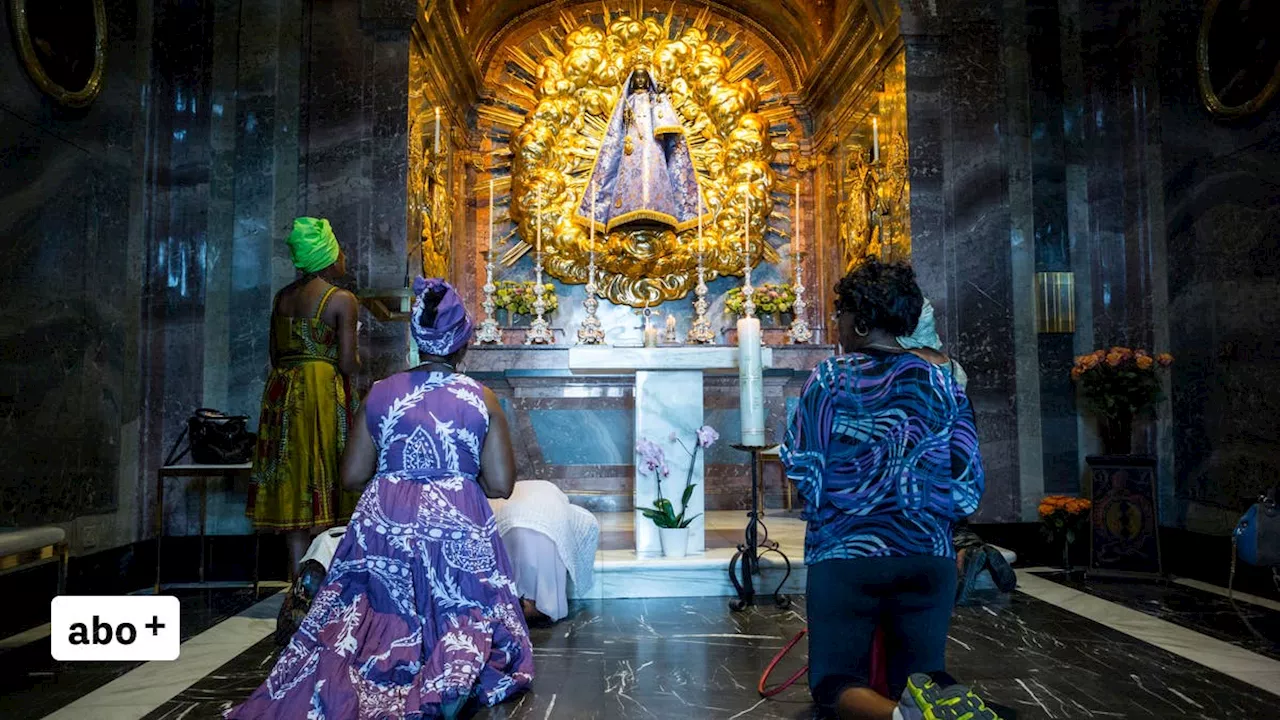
653, 460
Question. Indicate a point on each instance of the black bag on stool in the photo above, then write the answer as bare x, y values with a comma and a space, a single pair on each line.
215, 439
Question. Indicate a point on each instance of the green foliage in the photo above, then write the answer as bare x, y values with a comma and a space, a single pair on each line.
769, 298
517, 297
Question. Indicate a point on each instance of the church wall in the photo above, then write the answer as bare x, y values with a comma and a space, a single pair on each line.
1220, 186
69, 386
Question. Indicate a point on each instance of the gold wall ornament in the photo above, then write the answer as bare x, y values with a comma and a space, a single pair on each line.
1238, 56
64, 49
571, 77
434, 170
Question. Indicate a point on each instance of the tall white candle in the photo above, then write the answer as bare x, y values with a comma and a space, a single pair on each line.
795, 223
436, 145
490, 217
751, 382
539, 224
875, 140
594, 192
746, 226
699, 222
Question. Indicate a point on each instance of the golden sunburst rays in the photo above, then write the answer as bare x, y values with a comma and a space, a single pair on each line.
549, 112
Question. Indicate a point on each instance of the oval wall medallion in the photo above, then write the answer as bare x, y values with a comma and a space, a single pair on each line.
63, 46
1238, 56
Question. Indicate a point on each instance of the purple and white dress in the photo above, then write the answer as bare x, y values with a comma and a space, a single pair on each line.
419, 612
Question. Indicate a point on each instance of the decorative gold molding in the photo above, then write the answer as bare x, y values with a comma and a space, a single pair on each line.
1208, 93
26, 51
795, 65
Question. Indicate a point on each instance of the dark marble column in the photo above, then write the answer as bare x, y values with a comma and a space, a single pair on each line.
354, 151
961, 225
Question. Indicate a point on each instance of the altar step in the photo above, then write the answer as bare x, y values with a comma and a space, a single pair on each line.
621, 573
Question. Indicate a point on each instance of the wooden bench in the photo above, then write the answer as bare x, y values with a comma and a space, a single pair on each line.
27, 547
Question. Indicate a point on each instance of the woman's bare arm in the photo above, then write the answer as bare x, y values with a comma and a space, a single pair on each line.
360, 458
347, 309
498, 459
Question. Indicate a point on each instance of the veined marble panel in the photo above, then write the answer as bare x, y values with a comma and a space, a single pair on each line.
669, 403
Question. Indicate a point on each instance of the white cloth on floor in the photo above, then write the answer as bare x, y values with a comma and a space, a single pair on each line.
540, 506
540, 573
323, 546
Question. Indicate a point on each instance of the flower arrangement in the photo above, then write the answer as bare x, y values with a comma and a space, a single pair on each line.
653, 460
1118, 385
1062, 517
516, 297
769, 298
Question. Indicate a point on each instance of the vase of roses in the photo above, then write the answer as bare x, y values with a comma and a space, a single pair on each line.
1118, 386
673, 526
1062, 519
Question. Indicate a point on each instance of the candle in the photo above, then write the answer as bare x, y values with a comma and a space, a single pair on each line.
875, 140
436, 146
746, 226
750, 382
490, 217
699, 223
671, 327
594, 192
539, 221
795, 229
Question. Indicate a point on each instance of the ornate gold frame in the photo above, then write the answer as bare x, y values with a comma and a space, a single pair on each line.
1212, 102
69, 98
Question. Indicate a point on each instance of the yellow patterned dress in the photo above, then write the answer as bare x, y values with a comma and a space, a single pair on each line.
307, 408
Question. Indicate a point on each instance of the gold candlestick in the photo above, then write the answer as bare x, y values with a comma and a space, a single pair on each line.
800, 332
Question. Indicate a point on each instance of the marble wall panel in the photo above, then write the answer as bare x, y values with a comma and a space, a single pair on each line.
70, 305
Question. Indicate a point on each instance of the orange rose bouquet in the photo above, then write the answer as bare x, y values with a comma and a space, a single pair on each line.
1118, 385
1062, 518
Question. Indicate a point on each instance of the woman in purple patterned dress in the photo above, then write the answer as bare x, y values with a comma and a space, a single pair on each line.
419, 614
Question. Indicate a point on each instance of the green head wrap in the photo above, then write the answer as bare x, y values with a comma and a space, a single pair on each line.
312, 244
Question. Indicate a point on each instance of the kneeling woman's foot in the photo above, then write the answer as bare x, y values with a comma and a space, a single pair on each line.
925, 699
532, 614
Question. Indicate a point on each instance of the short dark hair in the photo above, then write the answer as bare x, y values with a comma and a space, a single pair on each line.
881, 296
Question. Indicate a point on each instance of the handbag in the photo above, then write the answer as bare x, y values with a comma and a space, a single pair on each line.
1257, 535
215, 438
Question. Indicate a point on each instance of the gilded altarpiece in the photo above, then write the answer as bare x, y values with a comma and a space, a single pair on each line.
871, 184
548, 102
436, 175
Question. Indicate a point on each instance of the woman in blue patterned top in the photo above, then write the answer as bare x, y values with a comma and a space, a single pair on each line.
883, 450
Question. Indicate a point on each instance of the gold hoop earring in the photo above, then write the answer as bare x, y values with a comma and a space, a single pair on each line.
861, 330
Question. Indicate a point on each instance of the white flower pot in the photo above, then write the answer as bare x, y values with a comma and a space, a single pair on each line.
675, 541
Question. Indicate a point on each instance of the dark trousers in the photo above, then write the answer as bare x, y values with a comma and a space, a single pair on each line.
911, 598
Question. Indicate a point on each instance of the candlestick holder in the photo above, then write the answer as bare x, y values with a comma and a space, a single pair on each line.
700, 331
745, 564
591, 332
489, 332
748, 303
800, 332
539, 330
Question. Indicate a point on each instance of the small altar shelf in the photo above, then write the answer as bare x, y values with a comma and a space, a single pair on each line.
388, 305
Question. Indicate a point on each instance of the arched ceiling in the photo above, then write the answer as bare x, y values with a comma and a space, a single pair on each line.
798, 29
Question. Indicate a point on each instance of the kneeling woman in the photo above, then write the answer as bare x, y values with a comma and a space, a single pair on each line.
418, 614
883, 450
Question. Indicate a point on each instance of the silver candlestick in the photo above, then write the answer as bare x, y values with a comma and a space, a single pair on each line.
539, 330
591, 332
489, 332
799, 332
700, 331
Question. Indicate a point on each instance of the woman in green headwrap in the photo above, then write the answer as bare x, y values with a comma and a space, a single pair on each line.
307, 405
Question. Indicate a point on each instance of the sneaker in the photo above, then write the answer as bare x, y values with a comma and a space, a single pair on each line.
925, 699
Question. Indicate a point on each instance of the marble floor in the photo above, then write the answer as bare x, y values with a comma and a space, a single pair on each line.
1047, 652
1254, 627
